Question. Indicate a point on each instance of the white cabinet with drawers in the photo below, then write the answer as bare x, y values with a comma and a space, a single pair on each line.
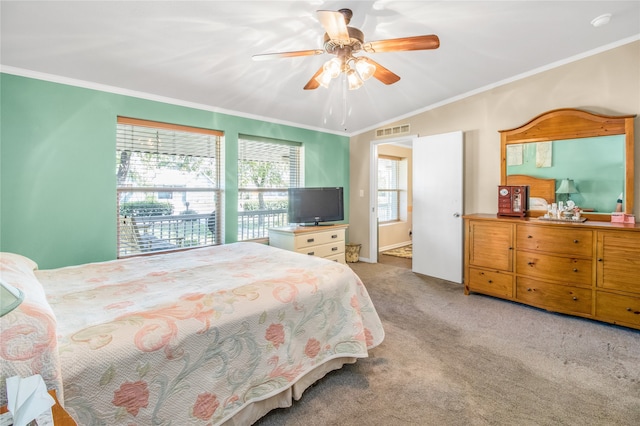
322, 241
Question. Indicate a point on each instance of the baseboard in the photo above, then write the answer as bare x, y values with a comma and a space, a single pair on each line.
393, 246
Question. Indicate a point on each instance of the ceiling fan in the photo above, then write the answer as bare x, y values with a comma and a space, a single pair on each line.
343, 41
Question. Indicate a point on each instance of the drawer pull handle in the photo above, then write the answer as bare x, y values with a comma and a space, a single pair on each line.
310, 240
490, 281
529, 289
334, 248
576, 241
574, 298
529, 236
575, 269
600, 260
334, 236
311, 253
530, 263
628, 309
510, 248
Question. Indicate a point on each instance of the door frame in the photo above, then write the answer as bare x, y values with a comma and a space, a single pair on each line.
373, 190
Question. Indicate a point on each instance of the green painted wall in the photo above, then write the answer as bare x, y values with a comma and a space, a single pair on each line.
57, 165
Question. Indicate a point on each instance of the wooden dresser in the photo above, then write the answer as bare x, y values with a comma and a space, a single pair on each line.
322, 241
589, 269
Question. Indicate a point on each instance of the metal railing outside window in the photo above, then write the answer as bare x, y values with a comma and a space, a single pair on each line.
169, 187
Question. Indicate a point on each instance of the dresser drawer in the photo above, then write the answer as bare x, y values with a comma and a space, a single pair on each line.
323, 250
553, 297
567, 270
318, 238
490, 244
618, 308
337, 258
619, 261
491, 282
576, 242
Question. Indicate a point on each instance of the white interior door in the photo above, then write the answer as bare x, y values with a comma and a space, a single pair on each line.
438, 206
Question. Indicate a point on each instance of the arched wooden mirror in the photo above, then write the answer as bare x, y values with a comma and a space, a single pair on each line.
594, 151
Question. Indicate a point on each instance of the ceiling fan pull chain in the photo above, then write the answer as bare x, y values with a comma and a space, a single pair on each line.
344, 99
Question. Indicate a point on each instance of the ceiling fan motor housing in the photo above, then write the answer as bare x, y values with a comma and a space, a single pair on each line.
356, 40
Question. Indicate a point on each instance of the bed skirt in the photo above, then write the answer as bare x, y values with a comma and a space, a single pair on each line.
253, 412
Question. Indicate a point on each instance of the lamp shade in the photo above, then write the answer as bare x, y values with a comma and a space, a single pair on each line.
354, 79
567, 187
365, 68
10, 298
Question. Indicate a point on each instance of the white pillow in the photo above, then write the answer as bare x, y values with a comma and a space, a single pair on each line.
537, 203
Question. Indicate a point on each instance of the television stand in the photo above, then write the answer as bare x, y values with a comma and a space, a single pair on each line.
321, 241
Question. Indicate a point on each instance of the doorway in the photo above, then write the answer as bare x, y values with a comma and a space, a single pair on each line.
436, 214
391, 195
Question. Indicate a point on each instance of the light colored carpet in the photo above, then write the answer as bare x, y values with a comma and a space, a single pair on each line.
404, 252
451, 359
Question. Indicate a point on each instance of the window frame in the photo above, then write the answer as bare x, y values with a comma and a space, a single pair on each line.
397, 191
131, 230
255, 227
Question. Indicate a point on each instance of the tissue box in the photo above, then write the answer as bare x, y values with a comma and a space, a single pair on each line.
622, 218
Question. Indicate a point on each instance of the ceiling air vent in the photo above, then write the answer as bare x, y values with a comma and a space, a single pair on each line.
402, 129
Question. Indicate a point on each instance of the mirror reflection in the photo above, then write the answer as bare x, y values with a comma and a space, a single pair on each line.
588, 171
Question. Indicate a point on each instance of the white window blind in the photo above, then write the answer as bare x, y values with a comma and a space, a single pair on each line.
168, 185
388, 189
266, 169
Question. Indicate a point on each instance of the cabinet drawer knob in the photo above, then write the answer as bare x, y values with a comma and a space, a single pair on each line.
600, 259
310, 240
334, 248
490, 281
575, 269
529, 236
574, 298
576, 241
628, 309
530, 263
311, 253
334, 236
529, 289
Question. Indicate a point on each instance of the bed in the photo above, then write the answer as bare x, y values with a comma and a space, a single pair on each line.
542, 192
216, 335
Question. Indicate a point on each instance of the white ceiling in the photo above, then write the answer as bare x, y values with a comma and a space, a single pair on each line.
199, 52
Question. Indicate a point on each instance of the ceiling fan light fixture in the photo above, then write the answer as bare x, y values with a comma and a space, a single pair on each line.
333, 67
365, 68
354, 80
324, 79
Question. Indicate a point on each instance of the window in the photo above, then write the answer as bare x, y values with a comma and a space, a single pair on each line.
388, 189
266, 169
169, 187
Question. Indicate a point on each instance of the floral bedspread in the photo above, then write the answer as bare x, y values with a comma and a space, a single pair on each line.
192, 337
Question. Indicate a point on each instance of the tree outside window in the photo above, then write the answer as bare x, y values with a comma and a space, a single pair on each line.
266, 169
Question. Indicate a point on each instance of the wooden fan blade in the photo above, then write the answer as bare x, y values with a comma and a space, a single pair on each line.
266, 56
313, 84
383, 74
335, 26
424, 42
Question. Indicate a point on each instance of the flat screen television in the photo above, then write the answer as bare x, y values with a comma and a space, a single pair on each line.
313, 206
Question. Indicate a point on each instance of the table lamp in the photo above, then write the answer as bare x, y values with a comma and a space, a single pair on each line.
566, 188
10, 298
